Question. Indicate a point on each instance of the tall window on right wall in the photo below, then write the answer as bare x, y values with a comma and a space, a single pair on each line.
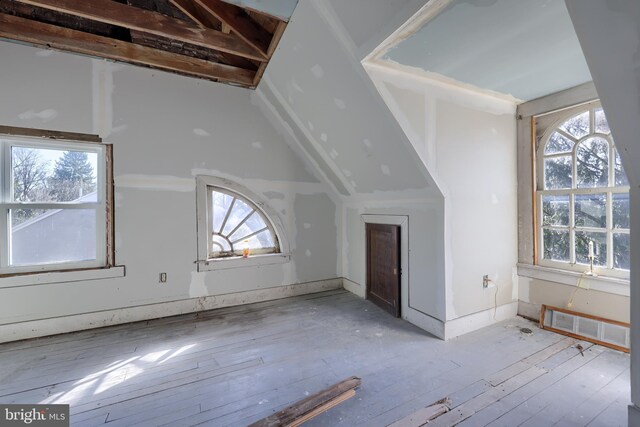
582, 194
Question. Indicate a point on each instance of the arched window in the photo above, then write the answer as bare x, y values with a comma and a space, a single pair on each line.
583, 195
238, 224
236, 228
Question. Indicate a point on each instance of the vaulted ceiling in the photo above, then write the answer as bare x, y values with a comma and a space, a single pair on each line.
523, 48
226, 41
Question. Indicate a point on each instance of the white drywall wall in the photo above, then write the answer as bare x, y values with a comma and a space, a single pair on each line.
330, 94
468, 143
328, 101
166, 129
612, 50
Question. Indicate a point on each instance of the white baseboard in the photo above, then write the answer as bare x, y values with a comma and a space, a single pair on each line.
435, 327
634, 416
465, 324
529, 310
59, 325
354, 288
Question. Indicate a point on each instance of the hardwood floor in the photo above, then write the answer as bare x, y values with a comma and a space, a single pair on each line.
234, 366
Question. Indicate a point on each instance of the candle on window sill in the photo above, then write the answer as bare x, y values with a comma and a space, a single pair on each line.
245, 249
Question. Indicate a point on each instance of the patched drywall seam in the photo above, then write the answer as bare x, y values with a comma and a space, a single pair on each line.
156, 161
337, 133
322, 161
314, 225
289, 200
416, 79
436, 95
155, 182
102, 86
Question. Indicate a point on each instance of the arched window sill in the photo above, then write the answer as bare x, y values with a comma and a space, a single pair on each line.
240, 262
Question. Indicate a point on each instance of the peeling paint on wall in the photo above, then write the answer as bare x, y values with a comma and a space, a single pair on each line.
102, 93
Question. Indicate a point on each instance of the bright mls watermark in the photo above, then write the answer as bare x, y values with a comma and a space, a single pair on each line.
34, 415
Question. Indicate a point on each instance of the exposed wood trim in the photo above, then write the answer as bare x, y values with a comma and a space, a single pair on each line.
312, 406
195, 13
47, 134
582, 337
134, 18
110, 205
323, 408
588, 316
277, 35
240, 23
534, 193
37, 33
544, 309
559, 101
69, 270
429, 11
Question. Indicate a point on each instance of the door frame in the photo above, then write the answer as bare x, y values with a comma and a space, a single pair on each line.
403, 222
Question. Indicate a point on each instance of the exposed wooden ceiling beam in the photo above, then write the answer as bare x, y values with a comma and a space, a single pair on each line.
134, 18
196, 14
240, 23
46, 35
277, 35
206, 20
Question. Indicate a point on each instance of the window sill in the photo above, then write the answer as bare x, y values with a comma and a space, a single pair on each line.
239, 262
611, 285
44, 278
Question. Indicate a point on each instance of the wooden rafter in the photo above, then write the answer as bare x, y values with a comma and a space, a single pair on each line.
46, 35
196, 14
208, 39
134, 18
277, 35
204, 19
239, 22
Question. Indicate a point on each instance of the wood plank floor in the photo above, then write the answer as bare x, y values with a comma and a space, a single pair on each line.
233, 366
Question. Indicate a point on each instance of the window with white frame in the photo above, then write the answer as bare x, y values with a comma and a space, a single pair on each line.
582, 195
238, 225
54, 205
235, 226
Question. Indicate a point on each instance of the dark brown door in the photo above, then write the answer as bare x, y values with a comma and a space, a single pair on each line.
383, 266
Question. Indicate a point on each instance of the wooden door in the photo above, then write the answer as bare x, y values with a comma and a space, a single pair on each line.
383, 266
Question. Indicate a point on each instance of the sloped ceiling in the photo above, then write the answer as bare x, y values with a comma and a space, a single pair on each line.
332, 103
523, 48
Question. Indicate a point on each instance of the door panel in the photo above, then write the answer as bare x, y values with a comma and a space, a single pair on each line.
383, 266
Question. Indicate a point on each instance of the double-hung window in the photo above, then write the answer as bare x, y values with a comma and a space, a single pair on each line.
53, 205
582, 194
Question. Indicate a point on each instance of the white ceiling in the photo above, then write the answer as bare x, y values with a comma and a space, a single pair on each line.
523, 48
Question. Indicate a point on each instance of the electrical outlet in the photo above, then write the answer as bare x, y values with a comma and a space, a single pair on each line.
163, 277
